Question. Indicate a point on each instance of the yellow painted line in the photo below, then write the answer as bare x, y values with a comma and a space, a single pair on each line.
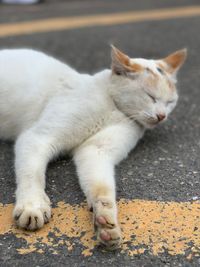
66, 23
149, 226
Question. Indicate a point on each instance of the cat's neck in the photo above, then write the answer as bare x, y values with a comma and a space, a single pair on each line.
110, 84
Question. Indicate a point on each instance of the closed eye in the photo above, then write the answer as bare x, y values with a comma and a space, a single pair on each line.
152, 97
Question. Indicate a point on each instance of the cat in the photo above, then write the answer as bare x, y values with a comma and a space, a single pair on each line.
49, 108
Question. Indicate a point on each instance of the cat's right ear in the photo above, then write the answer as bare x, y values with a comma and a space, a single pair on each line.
123, 65
120, 62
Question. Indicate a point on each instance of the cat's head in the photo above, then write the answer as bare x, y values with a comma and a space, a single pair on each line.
145, 89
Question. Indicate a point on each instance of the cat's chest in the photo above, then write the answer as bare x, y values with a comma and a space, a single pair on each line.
91, 128
90, 119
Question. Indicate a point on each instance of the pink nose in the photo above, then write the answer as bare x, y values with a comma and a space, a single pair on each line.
161, 117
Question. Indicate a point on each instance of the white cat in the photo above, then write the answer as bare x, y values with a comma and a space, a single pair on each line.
49, 108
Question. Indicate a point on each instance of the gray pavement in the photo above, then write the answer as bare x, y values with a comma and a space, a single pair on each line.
171, 152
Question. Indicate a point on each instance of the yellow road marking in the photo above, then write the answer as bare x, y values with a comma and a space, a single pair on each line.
65, 23
146, 226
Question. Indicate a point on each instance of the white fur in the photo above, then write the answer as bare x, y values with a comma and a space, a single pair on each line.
49, 108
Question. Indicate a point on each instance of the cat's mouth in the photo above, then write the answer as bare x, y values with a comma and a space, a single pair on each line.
150, 124
146, 124
154, 122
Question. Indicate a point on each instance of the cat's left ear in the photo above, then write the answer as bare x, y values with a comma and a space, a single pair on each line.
174, 61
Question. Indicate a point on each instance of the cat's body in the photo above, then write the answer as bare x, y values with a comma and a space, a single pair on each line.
49, 108
48, 82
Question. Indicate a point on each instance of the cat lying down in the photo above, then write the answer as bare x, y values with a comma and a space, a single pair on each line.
49, 108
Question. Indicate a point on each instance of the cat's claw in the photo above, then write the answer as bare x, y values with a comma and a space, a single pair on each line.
32, 215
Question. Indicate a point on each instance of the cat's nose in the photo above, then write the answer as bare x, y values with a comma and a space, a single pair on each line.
161, 116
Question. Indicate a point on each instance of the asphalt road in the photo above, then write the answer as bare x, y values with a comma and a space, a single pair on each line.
170, 153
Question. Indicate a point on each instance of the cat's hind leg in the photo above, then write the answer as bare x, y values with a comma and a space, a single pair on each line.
33, 152
95, 160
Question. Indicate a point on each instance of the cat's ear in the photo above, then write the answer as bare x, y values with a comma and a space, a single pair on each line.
120, 61
174, 61
121, 64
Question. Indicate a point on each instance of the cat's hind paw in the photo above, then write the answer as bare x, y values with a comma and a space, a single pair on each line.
32, 215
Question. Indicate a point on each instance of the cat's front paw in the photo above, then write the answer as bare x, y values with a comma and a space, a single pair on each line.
106, 225
32, 213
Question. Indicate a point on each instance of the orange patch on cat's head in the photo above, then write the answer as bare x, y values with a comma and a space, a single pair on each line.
134, 67
162, 66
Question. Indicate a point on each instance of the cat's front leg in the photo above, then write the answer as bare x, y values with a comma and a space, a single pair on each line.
32, 208
96, 176
95, 160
